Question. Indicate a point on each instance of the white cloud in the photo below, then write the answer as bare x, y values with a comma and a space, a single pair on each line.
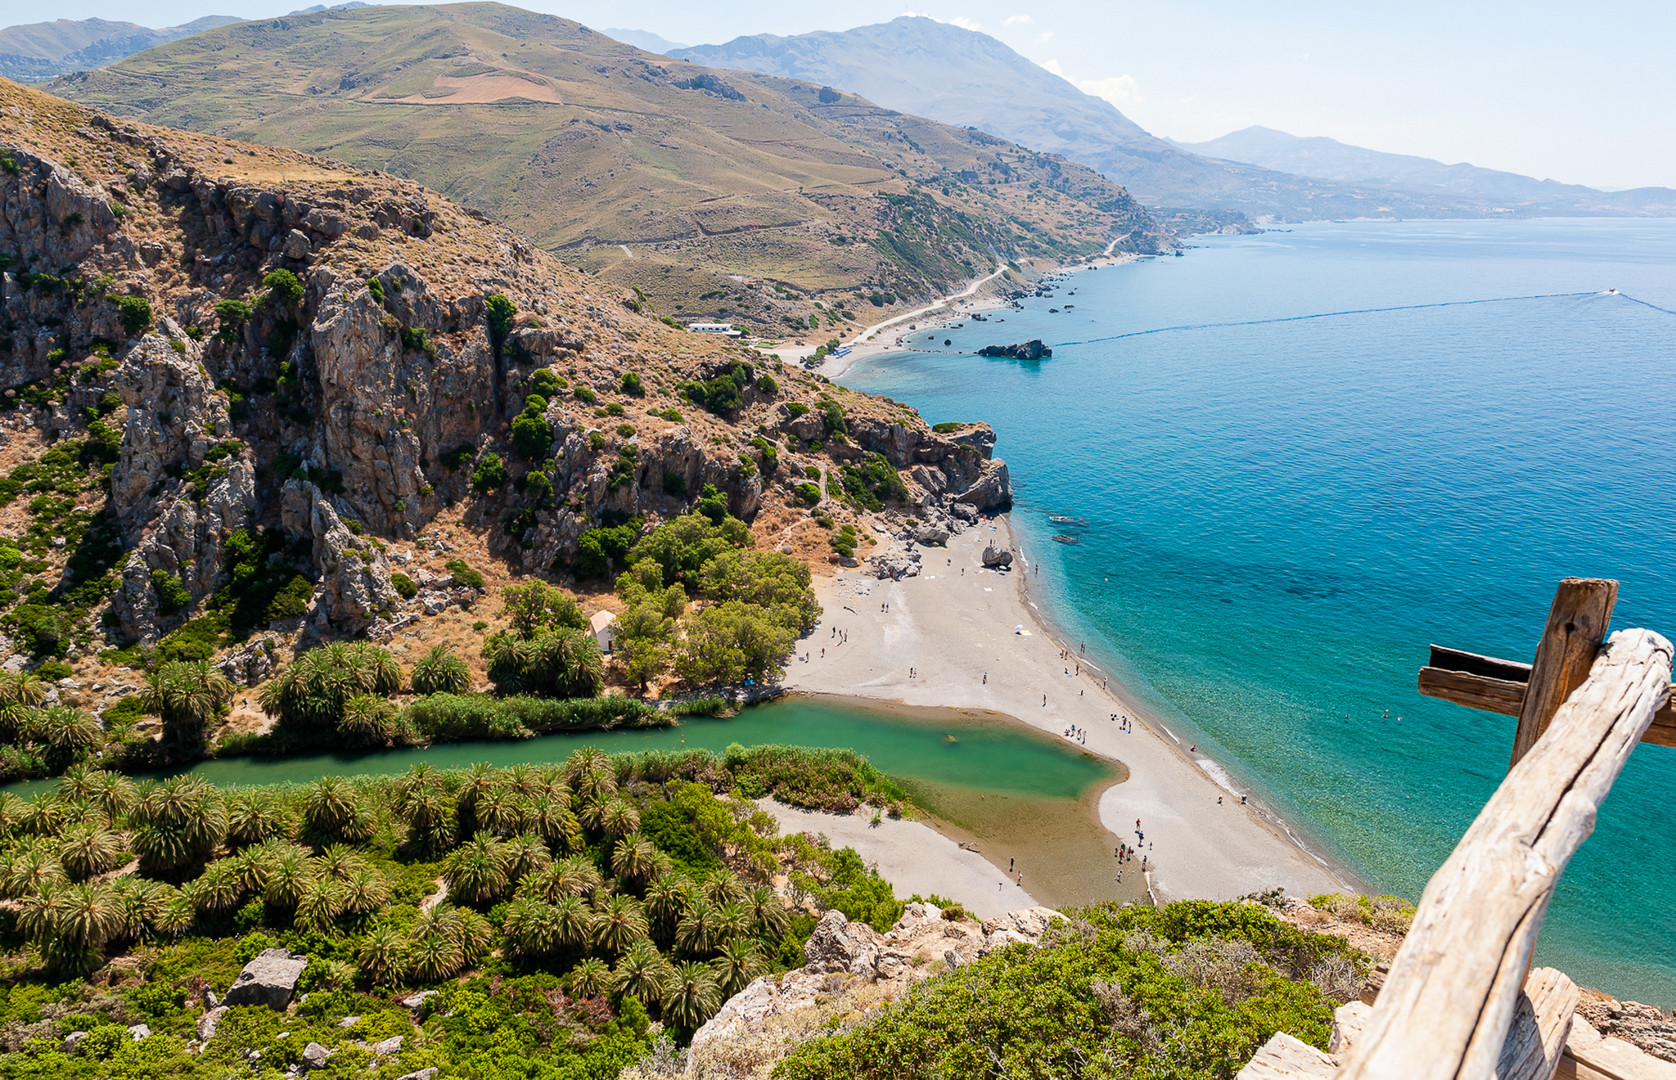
1053, 66
959, 20
1013, 19
1044, 37
1120, 90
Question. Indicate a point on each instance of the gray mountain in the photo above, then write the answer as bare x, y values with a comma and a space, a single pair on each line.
1329, 159
35, 51
643, 39
935, 69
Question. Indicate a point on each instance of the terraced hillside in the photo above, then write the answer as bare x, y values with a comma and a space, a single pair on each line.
663, 174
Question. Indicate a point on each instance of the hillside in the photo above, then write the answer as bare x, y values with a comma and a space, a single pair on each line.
1329, 159
662, 174
34, 51
256, 400
960, 76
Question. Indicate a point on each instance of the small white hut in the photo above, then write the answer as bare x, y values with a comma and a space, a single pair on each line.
603, 625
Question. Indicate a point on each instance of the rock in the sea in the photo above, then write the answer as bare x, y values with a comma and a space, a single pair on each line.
1028, 350
998, 558
269, 980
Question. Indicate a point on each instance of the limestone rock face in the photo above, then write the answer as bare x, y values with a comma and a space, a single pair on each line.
354, 587
270, 979
182, 485
841, 952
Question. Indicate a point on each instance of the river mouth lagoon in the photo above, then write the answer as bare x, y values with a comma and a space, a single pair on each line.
1283, 465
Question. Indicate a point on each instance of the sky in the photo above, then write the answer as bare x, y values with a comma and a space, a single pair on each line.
1572, 92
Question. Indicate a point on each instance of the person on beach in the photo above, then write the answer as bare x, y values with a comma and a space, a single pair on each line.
1009, 864
1044, 701
986, 678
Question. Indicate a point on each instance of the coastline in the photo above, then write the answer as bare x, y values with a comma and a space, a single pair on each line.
956, 632
867, 344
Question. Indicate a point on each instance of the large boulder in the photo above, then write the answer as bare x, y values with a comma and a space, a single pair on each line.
270, 979
997, 558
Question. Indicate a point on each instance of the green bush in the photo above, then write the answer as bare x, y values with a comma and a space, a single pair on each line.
463, 576
603, 548
490, 473
457, 717
632, 384
873, 483
796, 409
405, 586
233, 315
439, 671
284, 290
809, 493
531, 435
135, 313
501, 312
547, 382
171, 593
1190, 990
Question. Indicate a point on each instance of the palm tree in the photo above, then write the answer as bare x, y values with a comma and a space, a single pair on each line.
176, 916
20, 692
417, 777
189, 695
619, 921
733, 920
590, 978
87, 849
112, 792
479, 780
722, 886
332, 807
690, 996
736, 965
255, 816
366, 890
439, 671
366, 719
575, 876
382, 953
699, 929
85, 915
633, 858
477, 871
465, 928
30, 869
69, 734
574, 921
139, 902
338, 862
554, 823
767, 912
592, 814
12, 810
522, 780
619, 818
667, 899
219, 888
430, 957
287, 876
589, 773
526, 854
499, 810
177, 824
320, 901
43, 815
36, 910
531, 927
640, 972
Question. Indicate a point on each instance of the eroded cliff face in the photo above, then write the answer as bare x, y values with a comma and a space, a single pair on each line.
303, 347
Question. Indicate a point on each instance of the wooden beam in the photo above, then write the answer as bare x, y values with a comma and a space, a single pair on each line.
1449, 1002
1507, 698
1589, 1056
1541, 1022
1577, 622
1286, 1057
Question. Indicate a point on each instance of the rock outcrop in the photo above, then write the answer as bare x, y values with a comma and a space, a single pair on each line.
841, 953
270, 979
182, 483
1027, 351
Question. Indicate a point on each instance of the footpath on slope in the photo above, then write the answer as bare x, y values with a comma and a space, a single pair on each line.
953, 629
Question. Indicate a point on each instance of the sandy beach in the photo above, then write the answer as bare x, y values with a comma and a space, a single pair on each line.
956, 631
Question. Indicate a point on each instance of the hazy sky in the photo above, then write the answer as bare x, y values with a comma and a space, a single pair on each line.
1576, 92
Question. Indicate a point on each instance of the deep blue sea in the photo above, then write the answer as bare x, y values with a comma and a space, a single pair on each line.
1283, 514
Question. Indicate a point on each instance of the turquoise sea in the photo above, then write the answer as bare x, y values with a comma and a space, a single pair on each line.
1281, 515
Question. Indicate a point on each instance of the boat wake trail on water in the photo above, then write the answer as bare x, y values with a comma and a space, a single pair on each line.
1359, 311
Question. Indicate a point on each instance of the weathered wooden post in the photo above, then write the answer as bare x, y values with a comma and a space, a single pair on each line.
1577, 622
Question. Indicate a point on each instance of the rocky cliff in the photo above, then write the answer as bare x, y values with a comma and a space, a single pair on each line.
293, 347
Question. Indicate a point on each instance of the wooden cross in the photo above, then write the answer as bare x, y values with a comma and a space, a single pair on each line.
1533, 692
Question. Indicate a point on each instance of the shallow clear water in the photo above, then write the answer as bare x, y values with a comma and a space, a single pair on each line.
1282, 515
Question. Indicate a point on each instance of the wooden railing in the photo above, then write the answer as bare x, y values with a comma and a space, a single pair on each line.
1459, 1001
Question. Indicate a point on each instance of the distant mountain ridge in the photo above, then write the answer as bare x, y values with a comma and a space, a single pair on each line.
1329, 159
958, 76
35, 51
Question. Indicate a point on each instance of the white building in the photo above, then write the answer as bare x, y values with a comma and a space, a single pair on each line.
603, 625
712, 328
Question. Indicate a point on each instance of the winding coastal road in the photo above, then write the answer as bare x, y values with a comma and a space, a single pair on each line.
933, 306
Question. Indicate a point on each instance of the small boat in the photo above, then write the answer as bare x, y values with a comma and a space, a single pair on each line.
1062, 539
1061, 519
